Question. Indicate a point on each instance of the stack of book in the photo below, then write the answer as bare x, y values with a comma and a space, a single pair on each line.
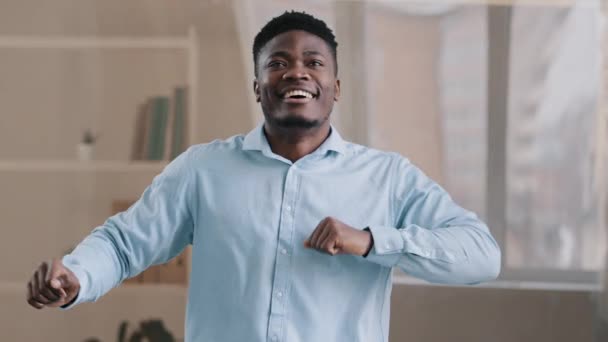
160, 127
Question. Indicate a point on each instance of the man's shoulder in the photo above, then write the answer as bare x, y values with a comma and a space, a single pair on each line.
371, 154
210, 154
231, 144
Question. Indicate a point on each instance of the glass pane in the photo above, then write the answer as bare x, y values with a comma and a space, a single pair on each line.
463, 80
551, 140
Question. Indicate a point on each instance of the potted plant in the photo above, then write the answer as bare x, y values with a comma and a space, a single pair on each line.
86, 147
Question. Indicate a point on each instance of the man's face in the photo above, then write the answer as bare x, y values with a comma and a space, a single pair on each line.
296, 83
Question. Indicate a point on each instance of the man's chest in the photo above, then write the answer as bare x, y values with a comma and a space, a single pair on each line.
263, 205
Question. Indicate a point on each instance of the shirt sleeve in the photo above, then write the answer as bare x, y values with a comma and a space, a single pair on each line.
152, 231
435, 240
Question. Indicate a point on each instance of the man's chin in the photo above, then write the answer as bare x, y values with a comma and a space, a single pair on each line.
296, 122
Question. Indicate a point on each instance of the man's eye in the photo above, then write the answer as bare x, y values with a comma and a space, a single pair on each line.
316, 63
276, 64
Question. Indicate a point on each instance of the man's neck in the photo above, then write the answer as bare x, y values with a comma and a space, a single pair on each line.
295, 143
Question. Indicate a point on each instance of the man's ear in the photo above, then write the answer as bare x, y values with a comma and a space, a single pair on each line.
256, 90
337, 91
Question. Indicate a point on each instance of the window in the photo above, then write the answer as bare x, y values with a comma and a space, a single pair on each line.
434, 84
549, 222
551, 210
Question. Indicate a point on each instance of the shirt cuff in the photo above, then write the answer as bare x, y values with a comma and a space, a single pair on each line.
82, 280
387, 240
388, 246
371, 243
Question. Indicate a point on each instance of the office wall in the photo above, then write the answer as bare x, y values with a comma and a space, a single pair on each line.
419, 313
467, 314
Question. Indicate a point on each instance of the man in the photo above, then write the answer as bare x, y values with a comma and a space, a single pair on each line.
294, 230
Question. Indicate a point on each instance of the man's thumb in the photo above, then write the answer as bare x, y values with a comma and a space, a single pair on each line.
60, 285
56, 283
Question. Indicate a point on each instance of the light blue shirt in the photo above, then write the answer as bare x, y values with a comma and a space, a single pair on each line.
247, 211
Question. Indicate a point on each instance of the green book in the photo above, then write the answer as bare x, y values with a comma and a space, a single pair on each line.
159, 113
179, 122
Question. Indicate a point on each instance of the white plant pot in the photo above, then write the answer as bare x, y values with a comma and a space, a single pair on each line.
86, 152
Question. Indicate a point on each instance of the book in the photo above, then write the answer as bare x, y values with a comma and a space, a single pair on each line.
158, 117
178, 136
169, 132
140, 133
146, 126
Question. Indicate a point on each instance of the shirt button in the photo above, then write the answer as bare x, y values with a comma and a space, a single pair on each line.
283, 251
389, 246
280, 294
288, 208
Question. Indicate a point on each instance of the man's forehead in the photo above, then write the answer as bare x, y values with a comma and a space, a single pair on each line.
303, 41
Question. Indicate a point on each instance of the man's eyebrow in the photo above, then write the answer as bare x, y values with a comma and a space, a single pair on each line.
313, 53
283, 54
287, 55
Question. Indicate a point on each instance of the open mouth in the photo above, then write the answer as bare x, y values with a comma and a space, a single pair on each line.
298, 96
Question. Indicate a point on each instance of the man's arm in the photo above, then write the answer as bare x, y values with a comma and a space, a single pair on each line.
155, 229
437, 240
432, 238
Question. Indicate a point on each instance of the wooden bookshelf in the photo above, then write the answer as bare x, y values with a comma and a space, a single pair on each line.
63, 42
78, 203
81, 166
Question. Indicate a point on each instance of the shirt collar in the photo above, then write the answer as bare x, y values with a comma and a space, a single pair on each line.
256, 140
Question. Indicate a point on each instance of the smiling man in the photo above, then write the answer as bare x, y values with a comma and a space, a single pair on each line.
294, 230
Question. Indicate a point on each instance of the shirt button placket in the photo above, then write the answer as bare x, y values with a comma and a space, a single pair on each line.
282, 262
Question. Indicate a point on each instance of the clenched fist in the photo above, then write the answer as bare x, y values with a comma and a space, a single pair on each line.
335, 237
52, 285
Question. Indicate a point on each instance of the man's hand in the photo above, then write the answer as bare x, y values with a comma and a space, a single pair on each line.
334, 237
52, 285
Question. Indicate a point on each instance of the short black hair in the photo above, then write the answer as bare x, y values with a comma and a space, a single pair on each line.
290, 21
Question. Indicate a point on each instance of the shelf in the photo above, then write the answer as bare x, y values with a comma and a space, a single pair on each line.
42, 42
82, 166
9, 287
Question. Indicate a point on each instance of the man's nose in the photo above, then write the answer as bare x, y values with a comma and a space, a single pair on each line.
296, 72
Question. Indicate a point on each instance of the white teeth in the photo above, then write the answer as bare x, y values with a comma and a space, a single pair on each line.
297, 93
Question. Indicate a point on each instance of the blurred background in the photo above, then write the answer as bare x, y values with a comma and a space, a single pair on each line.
501, 102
